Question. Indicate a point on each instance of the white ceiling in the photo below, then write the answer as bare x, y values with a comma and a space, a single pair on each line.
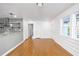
31, 10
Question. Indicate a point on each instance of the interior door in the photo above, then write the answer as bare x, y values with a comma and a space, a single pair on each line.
30, 30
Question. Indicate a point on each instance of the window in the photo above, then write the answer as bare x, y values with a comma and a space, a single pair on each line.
77, 24
66, 25
70, 26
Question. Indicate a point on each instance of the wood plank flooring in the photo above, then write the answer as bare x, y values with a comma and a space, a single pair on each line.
39, 47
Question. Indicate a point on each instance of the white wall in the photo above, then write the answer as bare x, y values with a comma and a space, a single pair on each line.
42, 29
66, 42
9, 40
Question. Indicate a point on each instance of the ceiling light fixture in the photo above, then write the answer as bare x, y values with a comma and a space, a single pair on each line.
12, 14
40, 4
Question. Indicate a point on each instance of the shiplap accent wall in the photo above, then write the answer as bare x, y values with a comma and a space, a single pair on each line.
70, 44
67, 43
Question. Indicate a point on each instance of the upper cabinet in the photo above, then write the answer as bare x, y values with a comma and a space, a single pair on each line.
11, 24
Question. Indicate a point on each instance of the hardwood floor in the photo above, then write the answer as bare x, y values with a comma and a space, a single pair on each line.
39, 47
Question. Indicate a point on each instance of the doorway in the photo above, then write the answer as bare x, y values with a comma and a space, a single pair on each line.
30, 30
